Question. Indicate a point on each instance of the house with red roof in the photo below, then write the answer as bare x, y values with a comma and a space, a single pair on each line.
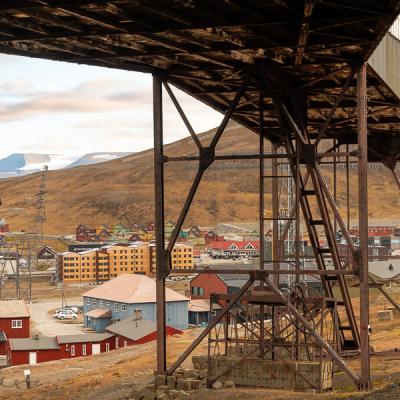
235, 248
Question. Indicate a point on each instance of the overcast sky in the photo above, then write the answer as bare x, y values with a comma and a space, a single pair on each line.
54, 107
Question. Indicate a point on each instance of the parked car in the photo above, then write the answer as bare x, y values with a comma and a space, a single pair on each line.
65, 314
74, 308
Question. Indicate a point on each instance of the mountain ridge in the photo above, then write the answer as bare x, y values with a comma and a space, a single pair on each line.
121, 190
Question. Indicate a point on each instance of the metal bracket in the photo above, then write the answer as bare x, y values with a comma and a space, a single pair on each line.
207, 157
308, 154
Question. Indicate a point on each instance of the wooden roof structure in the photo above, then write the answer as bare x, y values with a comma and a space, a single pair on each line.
206, 48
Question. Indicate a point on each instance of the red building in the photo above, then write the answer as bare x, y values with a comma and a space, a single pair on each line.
378, 230
33, 350
202, 285
135, 330
86, 234
130, 331
85, 345
235, 248
14, 321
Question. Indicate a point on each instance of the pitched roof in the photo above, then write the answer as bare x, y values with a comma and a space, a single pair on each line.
41, 343
384, 269
132, 289
241, 245
83, 338
13, 308
199, 305
133, 329
99, 313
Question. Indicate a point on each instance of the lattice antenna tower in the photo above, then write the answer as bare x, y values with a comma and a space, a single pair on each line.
40, 204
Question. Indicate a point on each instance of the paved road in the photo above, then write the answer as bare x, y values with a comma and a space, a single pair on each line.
44, 324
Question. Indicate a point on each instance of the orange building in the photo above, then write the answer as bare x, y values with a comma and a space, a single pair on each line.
102, 264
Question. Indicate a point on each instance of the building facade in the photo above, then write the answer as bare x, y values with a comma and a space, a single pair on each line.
107, 262
125, 295
14, 319
181, 257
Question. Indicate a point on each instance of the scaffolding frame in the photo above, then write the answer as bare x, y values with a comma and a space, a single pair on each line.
300, 149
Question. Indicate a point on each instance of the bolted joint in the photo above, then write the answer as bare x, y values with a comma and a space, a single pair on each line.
162, 274
207, 157
308, 154
259, 275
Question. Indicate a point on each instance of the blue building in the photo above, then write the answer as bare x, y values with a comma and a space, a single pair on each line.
120, 297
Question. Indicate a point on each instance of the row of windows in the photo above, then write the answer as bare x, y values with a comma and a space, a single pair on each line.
117, 306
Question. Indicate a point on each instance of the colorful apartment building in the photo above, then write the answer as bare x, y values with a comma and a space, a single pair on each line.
182, 256
134, 259
102, 264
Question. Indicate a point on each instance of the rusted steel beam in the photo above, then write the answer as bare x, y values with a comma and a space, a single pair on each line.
396, 177
206, 158
210, 326
336, 104
365, 383
275, 214
183, 115
241, 271
304, 32
161, 260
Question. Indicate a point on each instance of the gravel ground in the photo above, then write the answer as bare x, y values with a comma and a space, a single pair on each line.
44, 324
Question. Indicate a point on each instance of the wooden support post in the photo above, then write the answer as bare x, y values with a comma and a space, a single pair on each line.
275, 215
363, 224
161, 260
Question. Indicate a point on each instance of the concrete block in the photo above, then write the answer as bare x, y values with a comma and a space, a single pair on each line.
189, 374
160, 380
180, 384
187, 385
195, 384
171, 381
385, 315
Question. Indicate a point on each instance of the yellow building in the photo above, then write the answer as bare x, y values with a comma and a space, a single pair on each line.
182, 256
134, 259
87, 266
99, 265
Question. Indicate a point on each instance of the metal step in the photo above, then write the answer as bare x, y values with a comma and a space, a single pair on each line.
316, 222
324, 250
307, 192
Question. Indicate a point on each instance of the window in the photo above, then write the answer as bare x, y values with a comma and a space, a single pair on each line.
107, 347
197, 291
94, 302
117, 343
88, 302
123, 307
16, 323
72, 350
116, 307
84, 349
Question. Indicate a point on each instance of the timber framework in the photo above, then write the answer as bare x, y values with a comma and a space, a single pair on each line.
294, 73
